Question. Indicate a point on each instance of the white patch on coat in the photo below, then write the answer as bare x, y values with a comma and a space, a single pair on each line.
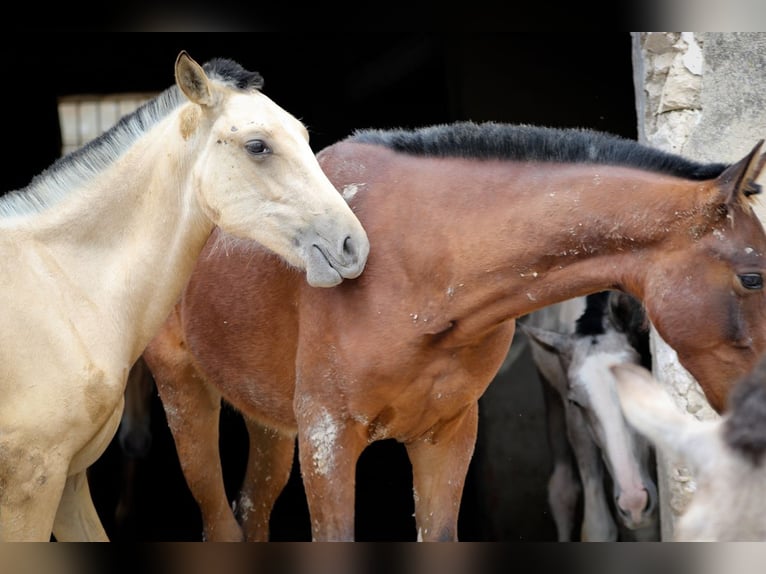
322, 436
350, 190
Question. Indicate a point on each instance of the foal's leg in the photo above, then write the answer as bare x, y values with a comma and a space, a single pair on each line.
269, 463
564, 488
439, 467
77, 519
328, 450
598, 524
30, 493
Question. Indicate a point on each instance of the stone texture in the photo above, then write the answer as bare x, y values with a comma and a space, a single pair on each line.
702, 95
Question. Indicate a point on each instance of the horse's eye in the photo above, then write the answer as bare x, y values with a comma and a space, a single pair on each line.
257, 147
751, 281
574, 402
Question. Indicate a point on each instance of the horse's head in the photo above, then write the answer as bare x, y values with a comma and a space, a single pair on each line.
257, 177
594, 416
725, 456
705, 291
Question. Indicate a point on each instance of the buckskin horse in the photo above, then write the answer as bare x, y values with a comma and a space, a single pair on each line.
471, 226
97, 249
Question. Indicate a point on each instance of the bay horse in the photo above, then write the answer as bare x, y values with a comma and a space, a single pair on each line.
472, 225
97, 249
593, 447
726, 456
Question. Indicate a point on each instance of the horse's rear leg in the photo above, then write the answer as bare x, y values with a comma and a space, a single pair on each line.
439, 467
77, 519
269, 463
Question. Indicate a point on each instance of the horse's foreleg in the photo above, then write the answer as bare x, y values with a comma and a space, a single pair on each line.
77, 519
30, 492
193, 411
328, 449
439, 467
598, 524
269, 463
564, 487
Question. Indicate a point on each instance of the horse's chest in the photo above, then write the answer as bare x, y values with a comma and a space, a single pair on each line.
421, 406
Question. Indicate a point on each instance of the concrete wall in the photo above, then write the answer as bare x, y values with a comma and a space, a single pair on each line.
702, 95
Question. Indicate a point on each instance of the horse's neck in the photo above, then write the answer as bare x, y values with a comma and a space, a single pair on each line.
597, 230
130, 238
533, 236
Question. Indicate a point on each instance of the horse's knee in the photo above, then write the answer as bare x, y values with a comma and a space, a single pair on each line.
564, 488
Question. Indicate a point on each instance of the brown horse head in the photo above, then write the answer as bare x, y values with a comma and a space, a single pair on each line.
719, 345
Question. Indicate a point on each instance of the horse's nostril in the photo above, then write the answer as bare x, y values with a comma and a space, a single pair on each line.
348, 246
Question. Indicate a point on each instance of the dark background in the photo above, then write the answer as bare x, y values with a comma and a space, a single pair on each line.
334, 83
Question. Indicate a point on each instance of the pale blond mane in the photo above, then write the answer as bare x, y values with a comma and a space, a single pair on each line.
69, 172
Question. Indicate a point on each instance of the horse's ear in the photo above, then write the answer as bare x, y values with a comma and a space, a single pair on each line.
651, 411
740, 177
192, 81
551, 341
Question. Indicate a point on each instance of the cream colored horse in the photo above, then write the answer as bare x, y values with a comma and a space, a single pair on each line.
95, 253
726, 456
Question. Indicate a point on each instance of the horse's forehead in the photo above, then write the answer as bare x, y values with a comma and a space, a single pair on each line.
256, 111
593, 356
741, 237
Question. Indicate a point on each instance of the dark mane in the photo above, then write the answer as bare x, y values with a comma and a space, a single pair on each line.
591, 322
492, 140
627, 314
745, 428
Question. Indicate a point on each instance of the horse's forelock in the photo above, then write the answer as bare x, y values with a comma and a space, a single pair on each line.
232, 74
591, 322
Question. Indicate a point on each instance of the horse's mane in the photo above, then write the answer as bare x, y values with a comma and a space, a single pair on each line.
67, 172
591, 322
491, 140
745, 426
628, 315
623, 313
